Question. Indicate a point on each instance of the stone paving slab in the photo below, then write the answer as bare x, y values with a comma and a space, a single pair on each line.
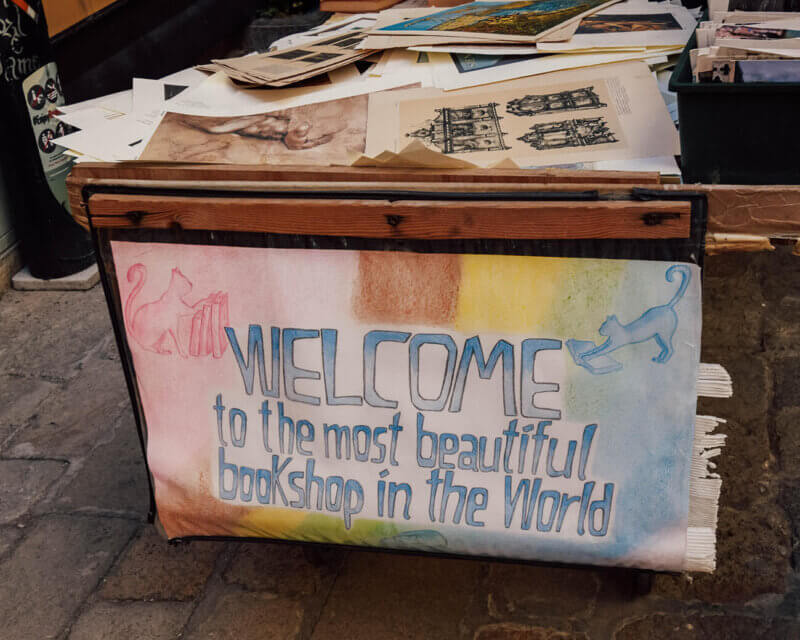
21, 397
131, 621
282, 569
533, 592
48, 333
81, 415
8, 537
512, 631
716, 627
381, 595
152, 569
240, 615
112, 478
23, 483
52, 571
787, 427
6, 431
753, 559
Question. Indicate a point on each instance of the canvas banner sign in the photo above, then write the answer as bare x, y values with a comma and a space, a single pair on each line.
507, 406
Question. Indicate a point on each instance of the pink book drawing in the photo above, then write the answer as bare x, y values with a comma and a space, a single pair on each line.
205, 330
194, 343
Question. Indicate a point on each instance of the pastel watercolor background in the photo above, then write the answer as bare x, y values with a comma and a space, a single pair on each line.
644, 412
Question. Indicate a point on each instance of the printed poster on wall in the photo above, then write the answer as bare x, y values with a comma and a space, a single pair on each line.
507, 406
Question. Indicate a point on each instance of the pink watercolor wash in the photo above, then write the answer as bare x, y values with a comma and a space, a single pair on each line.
271, 287
170, 324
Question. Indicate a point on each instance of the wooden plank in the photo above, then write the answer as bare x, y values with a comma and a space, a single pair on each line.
734, 242
766, 210
79, 208
86, 171
435, 219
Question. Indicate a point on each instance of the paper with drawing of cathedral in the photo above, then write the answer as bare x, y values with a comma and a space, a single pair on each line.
613, 112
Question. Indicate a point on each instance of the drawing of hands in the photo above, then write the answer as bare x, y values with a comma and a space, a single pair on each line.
295, 133
304, 135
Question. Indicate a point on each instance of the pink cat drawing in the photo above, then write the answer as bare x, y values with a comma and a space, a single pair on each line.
170, 324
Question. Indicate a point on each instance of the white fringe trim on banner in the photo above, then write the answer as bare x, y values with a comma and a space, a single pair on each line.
713, 381
704, 484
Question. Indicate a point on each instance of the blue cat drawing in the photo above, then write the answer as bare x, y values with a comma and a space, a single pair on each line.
657, 323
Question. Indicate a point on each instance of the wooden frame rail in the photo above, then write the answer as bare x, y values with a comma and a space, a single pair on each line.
739, 216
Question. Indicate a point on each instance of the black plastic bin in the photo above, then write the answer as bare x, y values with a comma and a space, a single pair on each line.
736, 133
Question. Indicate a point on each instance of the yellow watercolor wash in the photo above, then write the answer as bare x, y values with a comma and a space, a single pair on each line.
272, 522
296, 524
520, 294
363, 531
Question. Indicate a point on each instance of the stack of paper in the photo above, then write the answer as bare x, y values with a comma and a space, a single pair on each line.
117, 127
296, 64
761, 47
357, 22
530, 83
525, 21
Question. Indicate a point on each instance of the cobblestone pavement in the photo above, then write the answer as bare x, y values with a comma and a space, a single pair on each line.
78, 559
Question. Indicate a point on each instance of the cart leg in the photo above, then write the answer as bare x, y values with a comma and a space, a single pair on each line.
643, 582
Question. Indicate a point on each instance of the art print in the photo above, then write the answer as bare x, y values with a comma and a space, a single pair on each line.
580, 132
528, 127
322, 133
639, 26
464, 130
625, 116
527, 19
627, 23
569, 100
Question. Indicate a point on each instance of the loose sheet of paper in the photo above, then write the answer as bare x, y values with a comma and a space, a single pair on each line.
629, 24
611, 112
218, 96
455, 71
525, 21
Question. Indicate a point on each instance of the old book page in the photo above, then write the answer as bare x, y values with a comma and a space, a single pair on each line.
611, 112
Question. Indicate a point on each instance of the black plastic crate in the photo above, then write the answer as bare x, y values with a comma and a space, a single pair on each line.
736, 133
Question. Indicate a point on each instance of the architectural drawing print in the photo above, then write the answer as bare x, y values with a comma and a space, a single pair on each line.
572, 100
580, 132
657, 323
461, 130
